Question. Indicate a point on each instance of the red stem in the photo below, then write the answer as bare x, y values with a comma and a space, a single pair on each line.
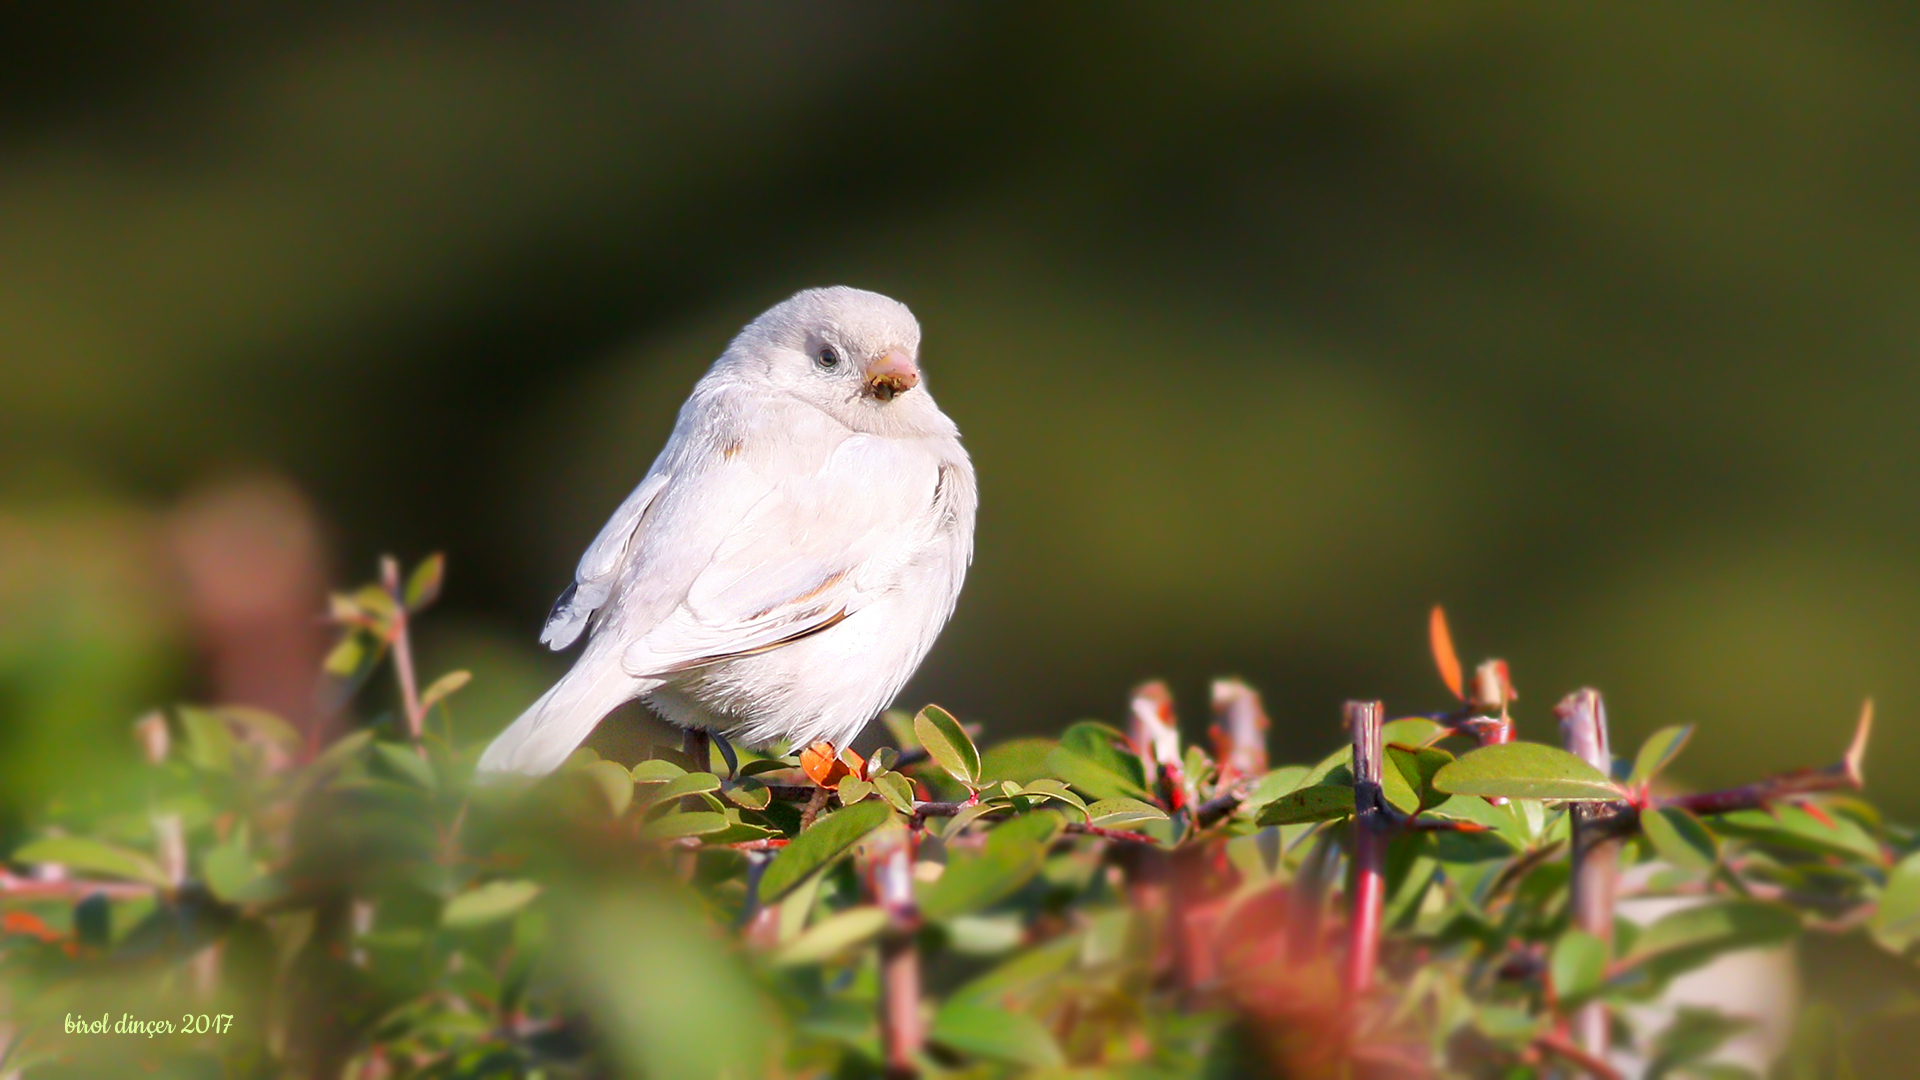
1370, 825
901, 1030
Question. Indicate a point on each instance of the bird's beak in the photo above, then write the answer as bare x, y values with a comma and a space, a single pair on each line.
892, 373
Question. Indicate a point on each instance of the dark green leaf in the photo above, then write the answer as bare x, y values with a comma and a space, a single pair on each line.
491, 902
1658, 752
1679, 838
1318, 802
995, 1034
748, 794
1691, 1037
673, 826
828, 838
78, 853
1523, 770
948, 744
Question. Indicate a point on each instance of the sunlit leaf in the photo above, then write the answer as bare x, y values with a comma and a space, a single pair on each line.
852, 789
1119, 813
345, 657
1413, 732
1048, 788
685, 784
1316, 802
1440, 639
423, 585
86, 856
948, 744
833, 935
1524, 770
614, 782
1090, 757
209, 741
826, 840
1657, 753
897, 790
748, 794
1002, 1035
1417, 768
491, 902
656, 770
1898, 916
441, 687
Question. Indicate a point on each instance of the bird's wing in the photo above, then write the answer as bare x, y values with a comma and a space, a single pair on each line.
599, 568
810, 550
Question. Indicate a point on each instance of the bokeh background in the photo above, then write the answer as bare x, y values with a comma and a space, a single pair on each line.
1268, 327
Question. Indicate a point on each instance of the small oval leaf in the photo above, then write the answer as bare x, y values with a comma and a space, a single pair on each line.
826, 840
491, 902
948, 744
1524, 770
1658, 752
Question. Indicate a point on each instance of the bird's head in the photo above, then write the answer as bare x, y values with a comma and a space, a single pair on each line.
853, 353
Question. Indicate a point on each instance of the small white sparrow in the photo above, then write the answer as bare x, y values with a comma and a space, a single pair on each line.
789, 558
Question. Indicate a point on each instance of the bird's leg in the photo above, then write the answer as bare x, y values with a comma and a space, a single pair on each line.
726, 752
693, 744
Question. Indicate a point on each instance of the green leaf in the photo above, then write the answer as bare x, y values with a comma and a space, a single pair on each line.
748, 794
1692, 1036
696, 783
405, 763
344, 658
1014, 852
492, 902
613, 781
442, 687
1524, 770
1417, 769
1680, 838
228, 869
1090, 758
852, 789
900, 726
1280, 781
423, 585
209, 739
656, 771
1413, 732
1048, 788
684, 823
1693, 936
996, 1034
1897, 919
1316, 802
262, 724
1789, 826
1119, 813
897, 790
1578, 965
825, 841
833, 935
1657, 753
948, 744
93, 857
1023, 760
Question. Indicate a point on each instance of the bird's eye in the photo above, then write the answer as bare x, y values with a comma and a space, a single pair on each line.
828, 358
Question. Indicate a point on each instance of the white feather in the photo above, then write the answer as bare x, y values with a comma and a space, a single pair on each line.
789, 558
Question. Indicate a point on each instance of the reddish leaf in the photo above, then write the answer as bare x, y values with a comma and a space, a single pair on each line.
1444, 657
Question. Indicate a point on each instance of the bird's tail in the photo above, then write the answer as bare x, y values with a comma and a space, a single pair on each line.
564, 716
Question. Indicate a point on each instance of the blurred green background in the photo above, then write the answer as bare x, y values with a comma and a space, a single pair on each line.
1267, 326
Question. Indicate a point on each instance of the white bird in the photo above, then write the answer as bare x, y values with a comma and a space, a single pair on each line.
789, 558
